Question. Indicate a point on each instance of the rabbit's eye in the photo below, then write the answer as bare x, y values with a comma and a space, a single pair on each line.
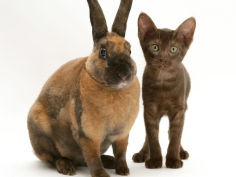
130, 52
103, 52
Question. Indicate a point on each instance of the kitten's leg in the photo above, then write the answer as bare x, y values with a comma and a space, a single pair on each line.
91, 153
119, 149
183, 153
143, 154
175, 132
152, 120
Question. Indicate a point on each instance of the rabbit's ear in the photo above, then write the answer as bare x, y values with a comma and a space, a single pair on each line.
98, 21
119, 25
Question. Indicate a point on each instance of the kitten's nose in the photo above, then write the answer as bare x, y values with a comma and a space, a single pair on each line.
161, 60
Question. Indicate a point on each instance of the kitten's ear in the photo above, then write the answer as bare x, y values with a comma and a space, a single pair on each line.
145, 26
186, 30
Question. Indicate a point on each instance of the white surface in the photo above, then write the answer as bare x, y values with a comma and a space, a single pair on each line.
36, 37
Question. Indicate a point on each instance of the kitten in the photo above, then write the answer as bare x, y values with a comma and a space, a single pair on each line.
166, 86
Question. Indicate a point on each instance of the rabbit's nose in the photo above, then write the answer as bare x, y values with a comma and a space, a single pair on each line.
123, 76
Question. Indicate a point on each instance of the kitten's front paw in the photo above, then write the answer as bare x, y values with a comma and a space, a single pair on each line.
122, 168
153, 163
139, 157
174, 163
184, 155
65, 166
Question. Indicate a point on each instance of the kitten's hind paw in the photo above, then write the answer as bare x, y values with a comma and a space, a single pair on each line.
184, 155
139, 157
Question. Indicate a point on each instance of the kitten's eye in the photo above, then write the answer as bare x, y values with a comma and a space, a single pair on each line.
130, 52
173, 49
103, 52
155, 47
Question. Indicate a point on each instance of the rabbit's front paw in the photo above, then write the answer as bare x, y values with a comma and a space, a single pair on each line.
100, 173
122, 168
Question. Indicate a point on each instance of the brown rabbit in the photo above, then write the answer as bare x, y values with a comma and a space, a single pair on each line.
90, 103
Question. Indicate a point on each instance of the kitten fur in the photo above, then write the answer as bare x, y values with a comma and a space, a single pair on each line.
166, 86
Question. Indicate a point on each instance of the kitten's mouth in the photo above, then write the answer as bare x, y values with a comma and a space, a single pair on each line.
163, 65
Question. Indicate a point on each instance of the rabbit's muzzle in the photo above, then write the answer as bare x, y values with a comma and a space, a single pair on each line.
120, 71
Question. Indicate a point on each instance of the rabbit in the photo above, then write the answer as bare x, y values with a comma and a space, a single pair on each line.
89, 103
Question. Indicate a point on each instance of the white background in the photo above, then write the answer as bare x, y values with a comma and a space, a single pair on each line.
38, 36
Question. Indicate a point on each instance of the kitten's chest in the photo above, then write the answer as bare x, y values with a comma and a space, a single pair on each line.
165, 90
164, 101
162, 81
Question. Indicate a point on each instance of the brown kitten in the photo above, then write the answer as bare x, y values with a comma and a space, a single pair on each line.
166, 86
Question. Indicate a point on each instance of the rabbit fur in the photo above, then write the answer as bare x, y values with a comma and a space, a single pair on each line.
89, 103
